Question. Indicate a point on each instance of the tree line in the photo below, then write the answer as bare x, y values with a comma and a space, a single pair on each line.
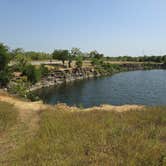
145, 58
21, 61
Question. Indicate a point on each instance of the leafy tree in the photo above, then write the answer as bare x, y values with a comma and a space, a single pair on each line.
75, 52
79, 61
17, 51
95, 54
38, 55
4, 56
20, 87
4, 77
21, 62
44, 70
164, 59
96, 62
19, 59
70, 59
33, 74
61, 55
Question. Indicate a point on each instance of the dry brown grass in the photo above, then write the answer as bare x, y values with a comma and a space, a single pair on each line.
98, 136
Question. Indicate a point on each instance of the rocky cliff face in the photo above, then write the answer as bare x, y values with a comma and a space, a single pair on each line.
66, 75
57, 77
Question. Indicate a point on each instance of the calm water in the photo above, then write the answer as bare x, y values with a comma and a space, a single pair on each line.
137, 87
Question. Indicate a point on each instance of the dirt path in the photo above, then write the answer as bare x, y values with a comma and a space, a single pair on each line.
24, 130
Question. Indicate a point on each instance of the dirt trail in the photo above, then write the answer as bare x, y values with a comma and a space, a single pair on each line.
24, 130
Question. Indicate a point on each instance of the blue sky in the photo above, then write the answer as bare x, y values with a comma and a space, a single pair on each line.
114, 27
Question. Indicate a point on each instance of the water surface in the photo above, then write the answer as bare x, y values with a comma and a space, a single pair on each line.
137, 87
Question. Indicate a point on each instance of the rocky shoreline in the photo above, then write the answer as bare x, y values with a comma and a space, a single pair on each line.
57, 77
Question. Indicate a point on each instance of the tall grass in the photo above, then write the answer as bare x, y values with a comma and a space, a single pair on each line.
8, 116
136, 138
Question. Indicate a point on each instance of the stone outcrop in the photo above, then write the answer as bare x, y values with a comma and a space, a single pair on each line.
56, 77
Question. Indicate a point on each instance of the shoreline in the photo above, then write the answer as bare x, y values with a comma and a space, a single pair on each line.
19, 103
59, 77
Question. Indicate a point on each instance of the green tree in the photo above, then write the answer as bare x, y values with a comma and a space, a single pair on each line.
95, 54
79, 61
4, 56
17, 51
75, 52
70, 59
33, 74
38, 55
20, 59
44, 70
96, 62
5, 76
61, 55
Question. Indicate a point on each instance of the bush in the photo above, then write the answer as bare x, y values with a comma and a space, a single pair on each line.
31, 96
44, 70
33, 74
96, 62
4, 58
4, 78
79, 61
19, 87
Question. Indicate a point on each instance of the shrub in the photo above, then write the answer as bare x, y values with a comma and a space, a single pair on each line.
19, 87
33, 74
4, 58
79, 61
44, 70
4, 78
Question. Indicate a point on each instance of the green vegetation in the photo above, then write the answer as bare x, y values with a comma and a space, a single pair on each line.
104, 67
79, 61
145, 58
97, 138
4, 59
33, 74
38, 55
8, 116
5, 76
61, 55
18, 73
96, 55
44, 70
20, 87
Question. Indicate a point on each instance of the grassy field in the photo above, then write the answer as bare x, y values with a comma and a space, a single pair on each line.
97, 138
57, 136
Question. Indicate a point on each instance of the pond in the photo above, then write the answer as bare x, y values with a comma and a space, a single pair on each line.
136, 87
